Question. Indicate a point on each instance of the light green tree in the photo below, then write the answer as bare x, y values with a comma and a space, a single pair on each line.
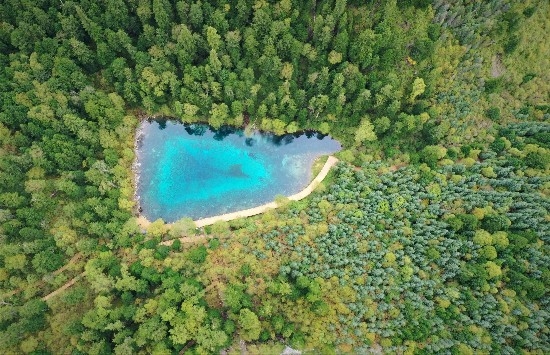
157, 228
493, 270
218, 115
182, 228
334, 57
418, 89
365, 132
249, 324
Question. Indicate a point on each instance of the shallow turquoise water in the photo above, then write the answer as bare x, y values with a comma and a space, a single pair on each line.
194, 171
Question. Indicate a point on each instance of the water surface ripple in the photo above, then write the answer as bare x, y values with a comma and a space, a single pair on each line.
191, 170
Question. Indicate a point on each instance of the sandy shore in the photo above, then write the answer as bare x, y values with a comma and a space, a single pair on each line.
331, 161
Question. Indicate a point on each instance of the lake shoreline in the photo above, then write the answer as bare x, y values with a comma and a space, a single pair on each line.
224, 131
143, 222
165, 118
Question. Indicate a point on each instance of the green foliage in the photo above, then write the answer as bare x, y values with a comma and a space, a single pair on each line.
464, 244
493, 113
198, 255
249, 325
493, 85
235, 298
365, 132
432, 154
538, 159
495, 222
469, 222
484, 263
511, 44
498, 145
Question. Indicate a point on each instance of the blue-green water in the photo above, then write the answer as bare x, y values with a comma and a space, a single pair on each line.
194, 171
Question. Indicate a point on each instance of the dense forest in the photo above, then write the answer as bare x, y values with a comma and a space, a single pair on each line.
430, 236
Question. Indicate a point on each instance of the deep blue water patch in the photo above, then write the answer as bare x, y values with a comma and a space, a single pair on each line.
191, 170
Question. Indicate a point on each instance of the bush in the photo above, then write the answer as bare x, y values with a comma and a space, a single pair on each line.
465, 149
529, 235
176, 244
528, 77
489, 252
493, 113
198, 255
432, 153
511, 45
452, 153
535, 289
213, 243
422, 49
498, 145
493, 85
390, 152
495, 222
469, 222
542, 138
162, 252
455, 223
528, 12
346, 155
537, 160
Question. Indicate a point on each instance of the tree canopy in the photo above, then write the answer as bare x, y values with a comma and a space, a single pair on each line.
430, 236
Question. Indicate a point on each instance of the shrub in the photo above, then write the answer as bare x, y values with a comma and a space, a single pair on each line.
455, 223
511, 45
469, 222
432, 153
493, 113
498, 145
495, 222
537, 160
198, 255
493, 85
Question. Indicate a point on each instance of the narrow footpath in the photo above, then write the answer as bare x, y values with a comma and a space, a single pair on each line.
41, 283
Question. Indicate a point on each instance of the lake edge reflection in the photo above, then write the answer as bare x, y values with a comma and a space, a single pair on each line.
192, 170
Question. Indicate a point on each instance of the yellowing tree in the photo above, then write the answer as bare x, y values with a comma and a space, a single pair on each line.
483, 237
334, 57
286, 72
493, 270
365, 132
418, 88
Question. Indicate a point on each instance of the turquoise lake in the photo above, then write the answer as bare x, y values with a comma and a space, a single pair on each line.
191, 170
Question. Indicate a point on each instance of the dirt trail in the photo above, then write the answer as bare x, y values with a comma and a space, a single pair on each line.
64, 287
497, 68
73, 260
184, 240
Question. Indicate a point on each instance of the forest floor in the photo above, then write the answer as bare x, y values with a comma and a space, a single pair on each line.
186, 240
497, 68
